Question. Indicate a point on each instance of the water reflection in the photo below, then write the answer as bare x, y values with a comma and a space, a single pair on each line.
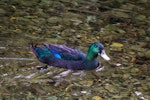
7, 58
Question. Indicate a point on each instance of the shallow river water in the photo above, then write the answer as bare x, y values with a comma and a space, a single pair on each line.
122, 26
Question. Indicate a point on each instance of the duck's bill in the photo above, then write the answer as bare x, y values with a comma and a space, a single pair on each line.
103, 55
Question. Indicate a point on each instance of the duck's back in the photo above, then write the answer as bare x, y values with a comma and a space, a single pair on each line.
60, 52
65, 52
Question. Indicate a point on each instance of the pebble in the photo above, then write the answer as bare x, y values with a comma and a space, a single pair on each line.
96, 98
111, 88
134, 70
115, 46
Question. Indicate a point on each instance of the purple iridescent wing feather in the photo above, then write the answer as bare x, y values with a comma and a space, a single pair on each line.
65, 52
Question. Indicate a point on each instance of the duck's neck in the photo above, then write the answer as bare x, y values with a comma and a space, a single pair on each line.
91, 55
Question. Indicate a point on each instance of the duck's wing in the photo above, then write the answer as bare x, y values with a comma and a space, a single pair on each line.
64, 52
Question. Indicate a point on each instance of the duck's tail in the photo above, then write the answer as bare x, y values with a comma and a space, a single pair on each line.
33, 49
40, 52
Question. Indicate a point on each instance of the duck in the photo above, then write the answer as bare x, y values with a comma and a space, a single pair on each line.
63, 56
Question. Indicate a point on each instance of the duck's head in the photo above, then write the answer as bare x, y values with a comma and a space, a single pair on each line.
96, 49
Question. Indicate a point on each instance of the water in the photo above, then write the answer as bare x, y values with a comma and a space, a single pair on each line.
7, 58
76, 24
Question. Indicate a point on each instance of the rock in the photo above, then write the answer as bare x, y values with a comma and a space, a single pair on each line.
96, 98
23, 21
52, 98
147, 54
66, 21
111, 88
115, 46
120, 97
54, 20
40, 12
119, 14
76, 21
141, 32
148, 30
134, 70
109, 28
20, 12
126, 76
26, 3
120, 31
115, 75
87, 83
143, 1
140, 17
2, 12
128, 6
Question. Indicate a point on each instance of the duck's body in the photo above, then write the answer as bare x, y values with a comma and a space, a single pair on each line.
65, 57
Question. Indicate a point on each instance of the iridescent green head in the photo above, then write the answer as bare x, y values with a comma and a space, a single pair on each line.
96, 49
